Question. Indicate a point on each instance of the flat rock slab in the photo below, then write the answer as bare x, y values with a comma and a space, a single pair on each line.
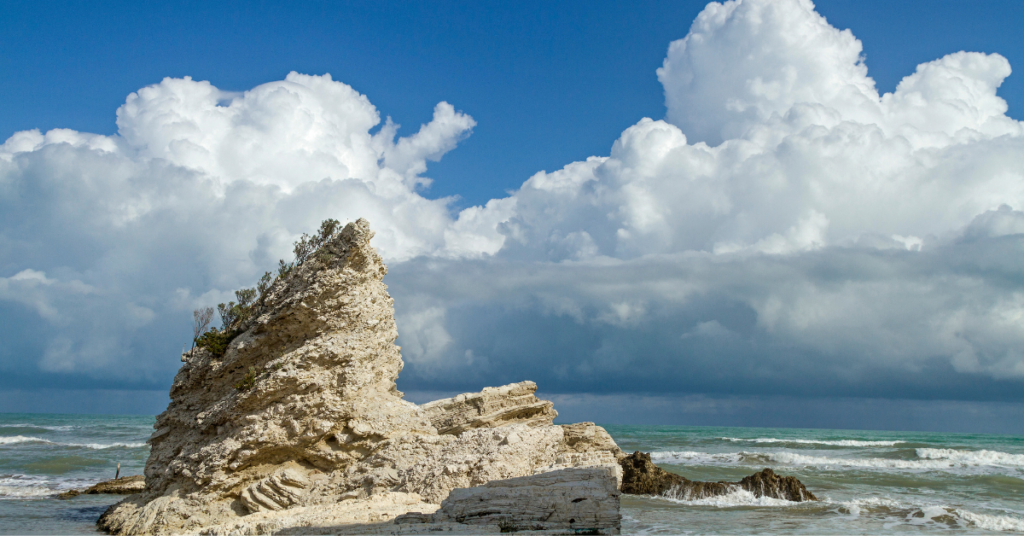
126, 485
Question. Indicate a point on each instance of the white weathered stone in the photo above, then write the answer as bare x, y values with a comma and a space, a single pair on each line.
494, 406
323, 432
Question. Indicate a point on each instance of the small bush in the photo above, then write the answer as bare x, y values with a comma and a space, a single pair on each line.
248, 381
216, 341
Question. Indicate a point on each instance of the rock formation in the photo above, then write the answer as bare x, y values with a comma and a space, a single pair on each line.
299, 422
583, 501
641, 477
126, 485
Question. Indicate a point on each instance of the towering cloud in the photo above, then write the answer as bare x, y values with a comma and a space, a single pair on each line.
785, 228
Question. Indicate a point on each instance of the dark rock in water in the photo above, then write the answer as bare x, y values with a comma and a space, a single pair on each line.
767, 483
125, 485
641, 477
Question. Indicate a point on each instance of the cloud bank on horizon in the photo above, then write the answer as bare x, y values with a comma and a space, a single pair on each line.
785, 229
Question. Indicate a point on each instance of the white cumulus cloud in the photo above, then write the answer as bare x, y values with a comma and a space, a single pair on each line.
784, 229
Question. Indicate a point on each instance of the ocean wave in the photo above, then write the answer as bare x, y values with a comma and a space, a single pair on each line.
992, 522
699, 458
10, 440
40, 427
973, 457
931, 460
830, 442
737, 498
98, 446
931, 514
32, 487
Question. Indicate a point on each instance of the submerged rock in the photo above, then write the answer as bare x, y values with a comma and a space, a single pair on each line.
641, 477
126, 485
299, 421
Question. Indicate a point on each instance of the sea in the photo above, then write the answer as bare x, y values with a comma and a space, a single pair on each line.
869, 482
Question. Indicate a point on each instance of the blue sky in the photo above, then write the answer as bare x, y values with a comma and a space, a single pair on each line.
548, 82
838, 246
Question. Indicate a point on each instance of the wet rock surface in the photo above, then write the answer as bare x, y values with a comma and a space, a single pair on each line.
640, 476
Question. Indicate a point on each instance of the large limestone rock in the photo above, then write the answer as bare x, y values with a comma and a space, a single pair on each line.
299, 422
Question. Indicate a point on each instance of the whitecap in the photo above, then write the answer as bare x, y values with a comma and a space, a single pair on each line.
931, 460
98, 446
40, 426
973, 457
134, 445
830, 442
736, 498
10, 440
991, 522
698, 458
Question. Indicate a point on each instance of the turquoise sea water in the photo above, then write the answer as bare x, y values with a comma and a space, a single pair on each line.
869, 482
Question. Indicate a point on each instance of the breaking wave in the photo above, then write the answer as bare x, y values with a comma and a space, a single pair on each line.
40, 427
98, 446
35, 487
929, 459
934, 514
830, 442
736, 498
973, 457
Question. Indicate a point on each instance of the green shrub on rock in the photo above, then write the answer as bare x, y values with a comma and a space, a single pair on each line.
216, 340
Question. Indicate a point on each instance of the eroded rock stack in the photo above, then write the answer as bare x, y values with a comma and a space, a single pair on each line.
299, 423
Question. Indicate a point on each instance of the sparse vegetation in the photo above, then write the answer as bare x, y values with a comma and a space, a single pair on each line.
216, 341
201, 321
234, 315
249, 380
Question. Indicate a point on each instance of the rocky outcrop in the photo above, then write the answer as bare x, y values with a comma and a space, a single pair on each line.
641, 477
579, 501
299, 422
494, 406
125, 485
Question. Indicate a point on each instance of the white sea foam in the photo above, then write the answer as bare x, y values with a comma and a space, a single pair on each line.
27, 487
973, 457
736, 498
931, 514
931, 460
991, 522
24, 492
29, 439
105, 445
40, 426
10, 440
698, 458
830, 442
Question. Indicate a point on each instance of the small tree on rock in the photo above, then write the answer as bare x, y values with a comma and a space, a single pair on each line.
201, 321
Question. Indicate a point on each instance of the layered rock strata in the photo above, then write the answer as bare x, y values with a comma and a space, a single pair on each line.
580, 501
641, 477
299, 422
126, 485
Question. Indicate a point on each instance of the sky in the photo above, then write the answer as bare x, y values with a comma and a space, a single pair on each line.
749, 213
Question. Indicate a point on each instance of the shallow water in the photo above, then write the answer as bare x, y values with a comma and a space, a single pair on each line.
869, 482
